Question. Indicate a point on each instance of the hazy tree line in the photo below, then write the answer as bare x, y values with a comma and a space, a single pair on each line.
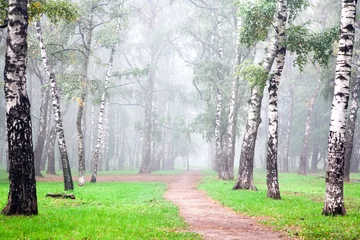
128, 84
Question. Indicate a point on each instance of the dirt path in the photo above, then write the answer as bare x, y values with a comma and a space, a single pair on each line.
208, 217
205, 216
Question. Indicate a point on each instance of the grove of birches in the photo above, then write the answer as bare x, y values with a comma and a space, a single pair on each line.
147, 85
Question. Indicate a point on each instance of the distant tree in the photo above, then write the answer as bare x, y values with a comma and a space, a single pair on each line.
350, 127
334, 197
102, 106
305, 147
22, 198
56, 11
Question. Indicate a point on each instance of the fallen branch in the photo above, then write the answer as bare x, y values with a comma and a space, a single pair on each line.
60, 195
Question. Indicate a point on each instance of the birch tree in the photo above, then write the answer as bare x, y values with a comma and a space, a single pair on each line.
334, 197
22, 199
70, 15
100, 124
272, 180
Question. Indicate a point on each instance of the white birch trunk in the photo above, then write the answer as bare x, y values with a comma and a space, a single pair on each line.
229, 148
22, 198
68, 183
221, 164
272, 143
245, 176
101, 113
334, 197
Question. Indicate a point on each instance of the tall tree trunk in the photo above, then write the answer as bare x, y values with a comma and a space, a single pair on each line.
222, 164
304, 150
146, 152
288, 130
100, 124
92, 128
51, 152
68, 183
82, 99
22, 199
334, 198
272, 180
42, 131
315, 155
164, 136
355, 156
229, 147
245, 175
350, 129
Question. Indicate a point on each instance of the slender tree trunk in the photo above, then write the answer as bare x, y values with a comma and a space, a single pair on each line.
92, 124
68, 183
88, 31
245, 175
272, 180
42, 131
22, 199
334, 198
355, 156
51, 152
100, 124
350, 129
229, 148
221, 163
288, 130
304, 150
315, 155
146, 152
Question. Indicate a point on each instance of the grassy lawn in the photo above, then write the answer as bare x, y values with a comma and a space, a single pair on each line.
100, 211
299, 211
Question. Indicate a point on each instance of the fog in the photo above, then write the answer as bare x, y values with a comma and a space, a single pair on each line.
172, 57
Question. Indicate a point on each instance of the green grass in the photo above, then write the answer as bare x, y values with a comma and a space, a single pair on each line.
299, 211
100, 211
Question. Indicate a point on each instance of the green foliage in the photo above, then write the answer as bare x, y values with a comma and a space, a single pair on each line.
295, 6
299, 211
257, 17
309, 46
118, 210
203, 123
3, 11
254, 74
54, 10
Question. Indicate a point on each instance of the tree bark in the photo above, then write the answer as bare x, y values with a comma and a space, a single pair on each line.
22, 199
272, 180
304, 150
334, 197
229, 147
222, 164
51, 152
288, 131
246, 165
42, 131
350, 129
68, 183
100, 124
355, 156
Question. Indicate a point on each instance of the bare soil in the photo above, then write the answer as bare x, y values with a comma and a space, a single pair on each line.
204, 215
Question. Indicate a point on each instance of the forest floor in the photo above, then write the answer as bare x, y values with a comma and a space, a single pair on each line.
204, 215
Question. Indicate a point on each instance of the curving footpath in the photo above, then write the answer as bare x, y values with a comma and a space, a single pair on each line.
209, 218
